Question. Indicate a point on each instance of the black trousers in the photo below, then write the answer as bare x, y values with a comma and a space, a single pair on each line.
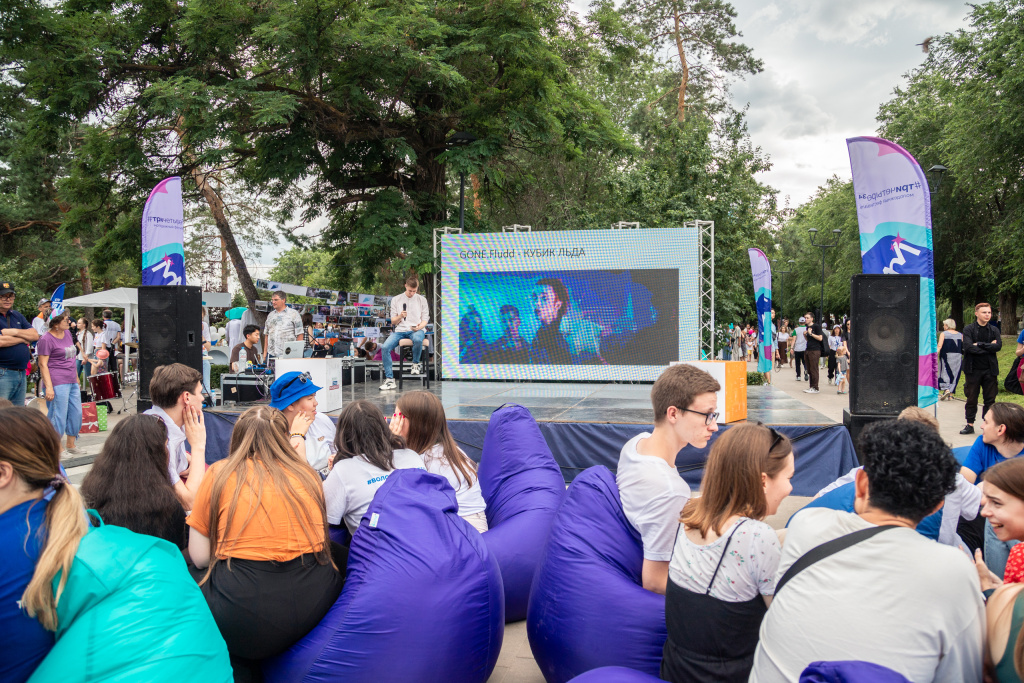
831, 364
799, 357
263, 607
989, 386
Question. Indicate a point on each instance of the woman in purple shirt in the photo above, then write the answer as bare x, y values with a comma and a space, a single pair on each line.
56, 350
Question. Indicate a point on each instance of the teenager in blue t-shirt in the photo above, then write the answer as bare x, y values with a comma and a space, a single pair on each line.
26, 642
1002, 438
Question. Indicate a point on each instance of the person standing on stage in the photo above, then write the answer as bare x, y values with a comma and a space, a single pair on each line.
39, 323
981, 343
410, 315
551, 303
812, 356
284, 325
16, 337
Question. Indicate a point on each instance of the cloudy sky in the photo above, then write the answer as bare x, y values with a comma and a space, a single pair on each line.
828, 65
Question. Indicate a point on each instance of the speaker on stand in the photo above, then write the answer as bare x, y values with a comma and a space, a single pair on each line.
170, 331
885, 312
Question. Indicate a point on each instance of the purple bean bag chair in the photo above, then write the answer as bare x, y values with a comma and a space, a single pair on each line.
523, 486
850, 672
615, 674
588, 608
422, 599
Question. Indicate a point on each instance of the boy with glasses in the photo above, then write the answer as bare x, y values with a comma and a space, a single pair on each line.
650, 488
16, 335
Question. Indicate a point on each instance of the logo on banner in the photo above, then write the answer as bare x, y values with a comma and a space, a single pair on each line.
165, 268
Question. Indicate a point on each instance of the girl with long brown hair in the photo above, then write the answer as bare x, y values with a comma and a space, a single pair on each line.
1003, 507
722, 572
259, 541
419, 419
367, 453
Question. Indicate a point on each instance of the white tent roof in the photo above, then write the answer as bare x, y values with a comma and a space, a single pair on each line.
122, 297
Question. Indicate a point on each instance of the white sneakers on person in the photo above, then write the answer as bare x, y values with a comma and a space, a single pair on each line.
389, 385
810, 391
417, 369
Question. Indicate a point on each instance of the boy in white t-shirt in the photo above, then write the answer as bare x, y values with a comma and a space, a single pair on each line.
650, 488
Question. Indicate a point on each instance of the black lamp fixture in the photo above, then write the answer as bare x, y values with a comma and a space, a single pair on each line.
461, 139
935, 177
823, 247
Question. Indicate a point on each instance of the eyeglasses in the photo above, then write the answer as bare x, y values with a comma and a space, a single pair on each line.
304, 377
9, 295
709, 418
776, 438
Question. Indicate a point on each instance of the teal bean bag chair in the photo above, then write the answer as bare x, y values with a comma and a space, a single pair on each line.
130, 611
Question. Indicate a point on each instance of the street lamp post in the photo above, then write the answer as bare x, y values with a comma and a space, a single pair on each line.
782, 288
823, 247
460, 139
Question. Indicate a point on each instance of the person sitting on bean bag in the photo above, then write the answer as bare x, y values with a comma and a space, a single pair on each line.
367, 453
112, 604
259, 541
419, 419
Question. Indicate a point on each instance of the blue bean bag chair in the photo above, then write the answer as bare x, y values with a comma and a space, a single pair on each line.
130, 611
615, 674
850, 672
588, 608
523, 487
422, 599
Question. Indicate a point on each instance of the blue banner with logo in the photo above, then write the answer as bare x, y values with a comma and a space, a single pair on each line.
57, 302
163, 235
762, 271
895, 217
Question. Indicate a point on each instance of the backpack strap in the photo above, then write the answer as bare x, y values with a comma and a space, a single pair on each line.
827, 549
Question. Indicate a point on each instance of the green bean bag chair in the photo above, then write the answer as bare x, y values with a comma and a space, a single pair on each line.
131, 612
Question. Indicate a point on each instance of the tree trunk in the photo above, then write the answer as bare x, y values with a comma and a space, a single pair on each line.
956, 302
223, 266
685, 67
83, 273
1008, 312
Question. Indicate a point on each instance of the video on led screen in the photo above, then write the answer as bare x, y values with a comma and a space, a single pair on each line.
569, 317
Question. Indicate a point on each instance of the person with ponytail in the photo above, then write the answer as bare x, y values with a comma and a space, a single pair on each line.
1003, 507
112, 604
367, 452
419, 419
722, 574
128, 484
259, 542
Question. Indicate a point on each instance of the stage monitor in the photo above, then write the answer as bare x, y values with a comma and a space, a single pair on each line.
579, 305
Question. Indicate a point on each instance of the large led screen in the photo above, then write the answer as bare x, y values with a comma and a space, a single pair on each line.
580, 305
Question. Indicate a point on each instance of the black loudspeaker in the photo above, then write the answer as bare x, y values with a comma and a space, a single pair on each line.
170, 330
885, 312
856, 424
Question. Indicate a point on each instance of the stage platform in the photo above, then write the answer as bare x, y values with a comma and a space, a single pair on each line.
586, 424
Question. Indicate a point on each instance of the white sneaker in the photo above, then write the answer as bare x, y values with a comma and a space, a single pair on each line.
417, 369
389, 385
810, 391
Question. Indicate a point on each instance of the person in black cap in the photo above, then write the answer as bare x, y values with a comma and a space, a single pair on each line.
16, 336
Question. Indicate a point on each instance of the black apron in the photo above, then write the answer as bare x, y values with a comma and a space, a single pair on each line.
709, 639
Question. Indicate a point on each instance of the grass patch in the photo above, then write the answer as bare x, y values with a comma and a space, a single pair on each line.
1006, 357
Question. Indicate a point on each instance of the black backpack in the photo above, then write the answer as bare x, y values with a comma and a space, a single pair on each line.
1011, 383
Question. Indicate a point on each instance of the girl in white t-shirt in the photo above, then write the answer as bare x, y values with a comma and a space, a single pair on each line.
419, 419
367, 452
722, 572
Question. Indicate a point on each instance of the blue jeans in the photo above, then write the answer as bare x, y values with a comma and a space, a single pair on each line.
12, 385
392, 343
206, 374
65, 410
996, 552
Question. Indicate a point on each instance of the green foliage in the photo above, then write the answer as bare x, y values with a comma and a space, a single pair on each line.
215, 372
756, 379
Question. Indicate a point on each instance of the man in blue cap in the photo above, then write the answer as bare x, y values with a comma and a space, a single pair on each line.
16, 334
312, 433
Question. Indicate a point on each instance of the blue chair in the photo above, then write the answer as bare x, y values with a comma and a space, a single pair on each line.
615, 674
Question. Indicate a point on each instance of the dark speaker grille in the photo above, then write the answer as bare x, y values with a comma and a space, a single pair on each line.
885, 310
170, 330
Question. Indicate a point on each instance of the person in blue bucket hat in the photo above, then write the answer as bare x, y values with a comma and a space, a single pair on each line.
294, 394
